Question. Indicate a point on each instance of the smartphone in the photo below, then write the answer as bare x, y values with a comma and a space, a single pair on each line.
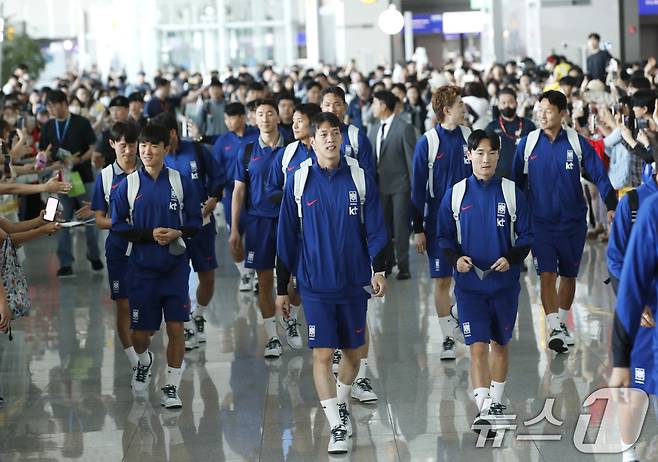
6, 165
20, 123
60, 175
51, 209
641, 124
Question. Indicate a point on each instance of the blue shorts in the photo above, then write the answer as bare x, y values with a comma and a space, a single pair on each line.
118, 274
227, 200
151, 298
486, 317
559, 251
332, 325
642, 364
260, 243
440, 267
201, 249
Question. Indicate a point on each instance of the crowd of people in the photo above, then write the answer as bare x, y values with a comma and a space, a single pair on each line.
325, 178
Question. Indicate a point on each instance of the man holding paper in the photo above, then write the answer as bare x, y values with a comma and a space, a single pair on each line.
485, 232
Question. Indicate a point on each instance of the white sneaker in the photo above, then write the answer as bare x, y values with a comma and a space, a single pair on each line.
567, 335
255, 283
191, 340
292, 334
557, 341
483, 423
273, 349
142, 376
200, 328
362, 391
169, 397
345, 418
338, 440
245, 282
335, 361
448, 353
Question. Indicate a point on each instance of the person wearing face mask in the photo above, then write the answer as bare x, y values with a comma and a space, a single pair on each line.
510, 128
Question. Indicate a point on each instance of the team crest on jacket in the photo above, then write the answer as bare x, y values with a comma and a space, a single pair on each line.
353, 209
466, 159
500, 214
194, 170
173, 200
501, 208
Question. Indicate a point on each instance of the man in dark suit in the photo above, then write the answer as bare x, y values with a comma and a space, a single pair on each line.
393, 142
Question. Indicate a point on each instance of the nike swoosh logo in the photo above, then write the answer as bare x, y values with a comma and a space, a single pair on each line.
139, 196
256, 158
311, 202
227, 148
533, 157
358, 331
290, 169
440, 155
467, 207
115, 186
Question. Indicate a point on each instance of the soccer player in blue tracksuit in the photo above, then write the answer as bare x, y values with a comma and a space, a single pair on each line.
279, 174
225, 151
123, 139
333, 249
559, 209
333, 100
641, 356
158, 230
488, 303
451, 166
194, 161
251, 172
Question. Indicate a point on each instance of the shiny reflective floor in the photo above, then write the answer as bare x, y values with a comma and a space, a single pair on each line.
65, 380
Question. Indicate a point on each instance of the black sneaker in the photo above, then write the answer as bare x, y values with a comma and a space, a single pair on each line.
65, 272
97, 265
403, 276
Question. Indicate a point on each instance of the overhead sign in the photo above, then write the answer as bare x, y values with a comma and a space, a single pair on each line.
427, 24
647, 7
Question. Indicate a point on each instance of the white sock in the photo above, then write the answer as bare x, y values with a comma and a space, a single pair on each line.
630, 454
294, 311
444, 322
563, 315
363, 369
553, 320
199, 310
173, 376
480, 395
330, 407
496, 390
240, 266
342, 392
131, 354
144, 358
270, 327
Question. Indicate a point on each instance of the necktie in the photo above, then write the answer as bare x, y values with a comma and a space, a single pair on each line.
381, 140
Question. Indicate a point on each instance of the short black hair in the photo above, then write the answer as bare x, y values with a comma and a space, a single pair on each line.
321, 118
310, 110
556, 98
333, 91
312, 84
155, 134
235, 109
161, 82
215, 83
476, 137
126, 130
56, 96
388, 98
640, 82
399, 86
120, 101
256, 86
266, 102
644, 98
167, 120
594, 35
286, 96
136, 96
507, 91
569, 80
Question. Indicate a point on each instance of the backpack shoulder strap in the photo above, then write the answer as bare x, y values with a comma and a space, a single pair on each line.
133, 189
466, 132
301, 175
634, 204
288, 152
458, 192
177, 186
359, 178
509, 193
574, 141
353, 135
246, 157
433, 143
530, 143
107, 175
